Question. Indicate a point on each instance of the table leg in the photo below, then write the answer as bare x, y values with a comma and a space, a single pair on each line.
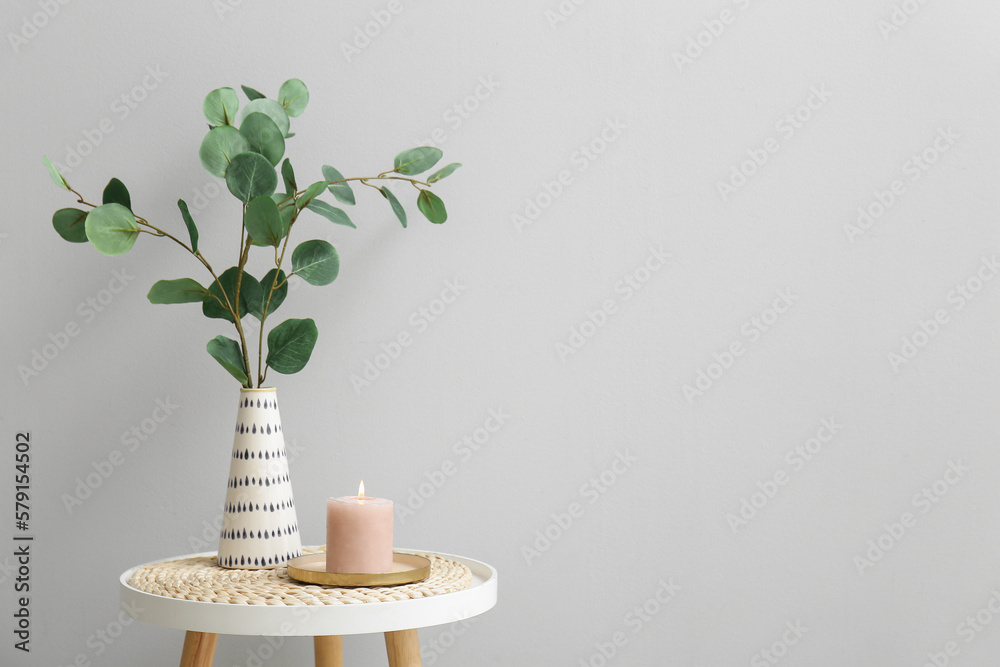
403, 648
199, 649
329, 651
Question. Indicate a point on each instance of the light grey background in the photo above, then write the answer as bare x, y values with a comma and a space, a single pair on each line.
885, 79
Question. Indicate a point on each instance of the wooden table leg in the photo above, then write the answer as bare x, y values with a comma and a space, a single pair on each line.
329, 651
403, 648
199, 649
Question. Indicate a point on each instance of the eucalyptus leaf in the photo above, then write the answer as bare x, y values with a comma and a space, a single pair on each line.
264, 222
189, 223
288, 176
432, 207
219, 147
397, 208
270, 108
252, 94
227, 352
116, 193
264, 136
342, 191
294, 96
111, 228
57, 178
272, 278
213, 308
310, 193
443, 172
220, 106
182, 290
316, 262
417, 160
250, 175
286, 207
331, 213
250, 295
70, 223
290, 344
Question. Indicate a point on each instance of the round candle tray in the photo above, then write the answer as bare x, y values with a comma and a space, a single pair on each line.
406, 568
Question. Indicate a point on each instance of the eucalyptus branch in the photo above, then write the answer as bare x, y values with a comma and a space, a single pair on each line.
249, 167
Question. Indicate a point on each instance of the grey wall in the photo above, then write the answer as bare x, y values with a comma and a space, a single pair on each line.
803, 482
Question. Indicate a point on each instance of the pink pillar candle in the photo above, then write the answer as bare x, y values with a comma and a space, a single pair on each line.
358, 535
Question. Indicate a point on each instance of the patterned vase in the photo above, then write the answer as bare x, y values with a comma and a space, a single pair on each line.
259, 527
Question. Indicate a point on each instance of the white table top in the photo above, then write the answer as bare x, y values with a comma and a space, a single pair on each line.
312, 621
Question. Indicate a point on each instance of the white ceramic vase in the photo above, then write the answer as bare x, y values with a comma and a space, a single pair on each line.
259, 526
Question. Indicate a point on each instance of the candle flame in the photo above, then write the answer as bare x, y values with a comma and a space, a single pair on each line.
361, 490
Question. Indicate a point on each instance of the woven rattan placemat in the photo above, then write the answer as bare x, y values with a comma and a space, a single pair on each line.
201, 579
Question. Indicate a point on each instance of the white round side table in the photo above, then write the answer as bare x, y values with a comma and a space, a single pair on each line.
204, 621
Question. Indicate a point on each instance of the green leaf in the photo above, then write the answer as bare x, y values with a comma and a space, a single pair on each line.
189, 222
252, 94
331, 213
213, 308
397, 208
270, 108
219, 147
342, 191
57, 178
250, 295
417, 160
264, 136
286, 207
290, 344
264, 223
432, 207
288, 176
310, 193
220, 106
443, 172
227, 352
70, 223
116, 193
294, 96
182, 290
112, 229
251, 175
271, 278
316, 262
